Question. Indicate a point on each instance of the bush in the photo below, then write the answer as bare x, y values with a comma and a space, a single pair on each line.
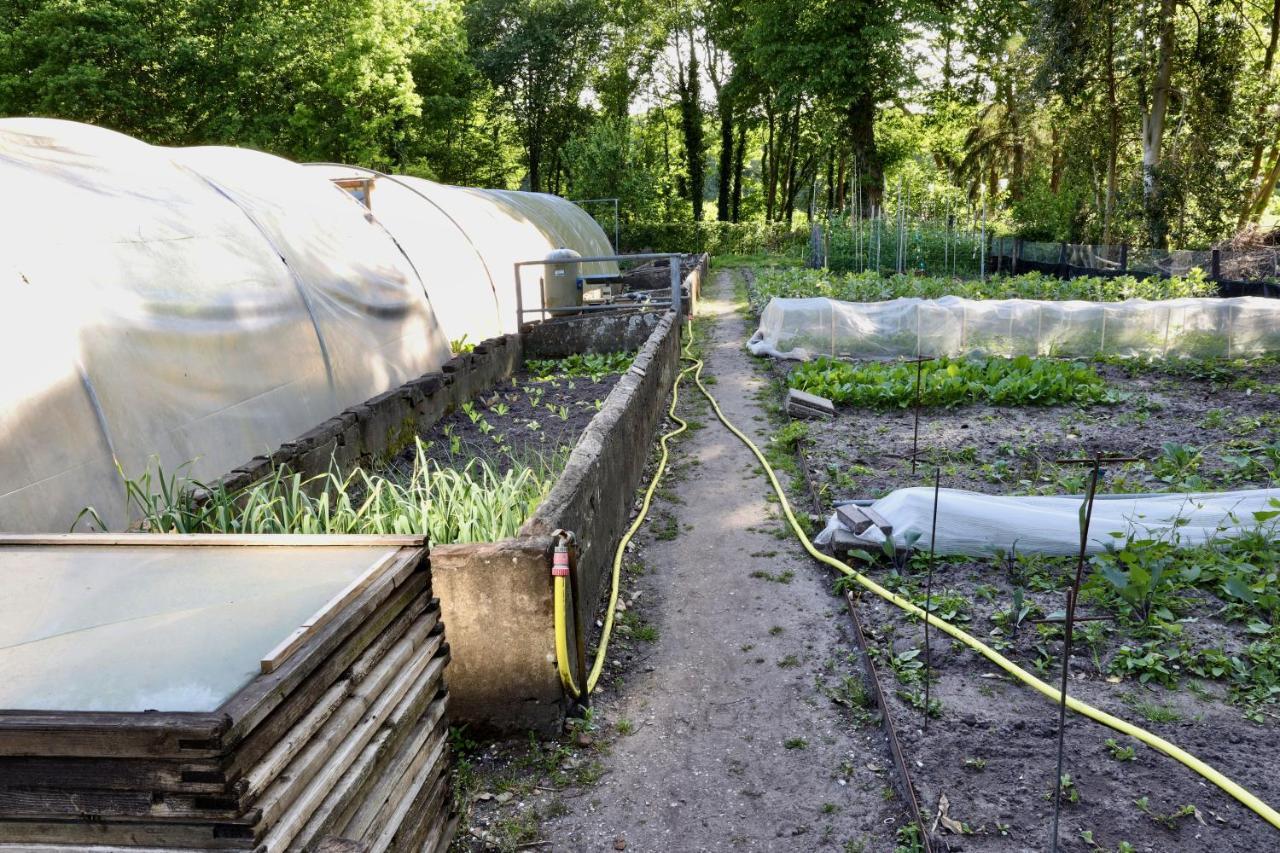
718, 238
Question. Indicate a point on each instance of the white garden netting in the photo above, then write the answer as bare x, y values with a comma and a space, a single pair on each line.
951, 326
192, 308
978, 524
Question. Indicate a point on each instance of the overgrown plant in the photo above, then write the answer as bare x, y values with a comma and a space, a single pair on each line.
474, 503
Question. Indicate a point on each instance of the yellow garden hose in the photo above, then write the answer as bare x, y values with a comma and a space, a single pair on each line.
561, 605
1155, 742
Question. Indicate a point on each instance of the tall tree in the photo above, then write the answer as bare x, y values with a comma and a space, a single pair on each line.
849, 54
538, 54
688, 85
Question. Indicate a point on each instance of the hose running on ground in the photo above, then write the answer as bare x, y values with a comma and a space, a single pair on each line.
1157, 743
561, 595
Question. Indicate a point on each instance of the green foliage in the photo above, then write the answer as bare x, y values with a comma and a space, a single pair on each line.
474, 503
1120, 753
873, 287
538, 54
718, 238
592, 365
951, 382
1142, 573
1152, 583
314, 80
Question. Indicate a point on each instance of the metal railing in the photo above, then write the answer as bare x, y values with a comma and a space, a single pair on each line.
673, 264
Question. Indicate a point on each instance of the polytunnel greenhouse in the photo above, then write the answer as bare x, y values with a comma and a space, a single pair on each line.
187, 309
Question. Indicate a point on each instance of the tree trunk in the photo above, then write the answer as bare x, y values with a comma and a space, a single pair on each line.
691, 123
1259, 114
769, 170
842, 182
831, 182
724, 194
1153, 121
1017, 150
1113, 133
789, 180
1268, 186
739, 155
535, 156
861, 118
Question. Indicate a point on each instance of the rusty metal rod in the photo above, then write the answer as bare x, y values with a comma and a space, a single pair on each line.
890, 733
1072, 595
928, 595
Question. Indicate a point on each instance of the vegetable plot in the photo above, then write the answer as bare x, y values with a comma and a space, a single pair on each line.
948, 382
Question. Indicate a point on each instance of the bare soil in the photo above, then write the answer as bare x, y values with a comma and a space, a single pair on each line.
521, 422
867, 454
991, 752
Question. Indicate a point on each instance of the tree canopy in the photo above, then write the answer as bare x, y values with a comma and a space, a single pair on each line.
1156, 123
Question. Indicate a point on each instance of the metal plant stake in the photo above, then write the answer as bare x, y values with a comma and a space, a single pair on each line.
1086, 515
928, 594
915, 429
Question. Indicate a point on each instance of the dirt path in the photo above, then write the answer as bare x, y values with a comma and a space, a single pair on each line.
737, 732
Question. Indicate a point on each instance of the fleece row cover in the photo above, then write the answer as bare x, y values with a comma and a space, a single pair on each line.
978, 524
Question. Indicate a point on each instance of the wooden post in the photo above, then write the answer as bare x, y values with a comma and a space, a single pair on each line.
1124, 258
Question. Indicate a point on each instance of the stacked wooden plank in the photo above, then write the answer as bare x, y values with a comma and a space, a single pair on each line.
344, 738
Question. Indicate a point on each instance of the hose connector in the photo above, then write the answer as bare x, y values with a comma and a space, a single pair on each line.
560, 561
560, 556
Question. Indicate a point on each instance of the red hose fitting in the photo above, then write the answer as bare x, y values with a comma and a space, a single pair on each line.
560, 561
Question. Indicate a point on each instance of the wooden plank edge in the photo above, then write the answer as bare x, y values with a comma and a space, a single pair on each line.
289, 803
295, 739
352, 660
428, 735
396, 563
383, 761
263, 694
289, 540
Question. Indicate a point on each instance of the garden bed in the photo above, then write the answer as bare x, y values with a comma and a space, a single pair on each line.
1197, 426
1190, 644
531, 420
990, 748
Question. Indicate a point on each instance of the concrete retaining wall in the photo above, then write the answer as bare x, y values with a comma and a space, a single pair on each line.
378, 429
599, 334
496, 598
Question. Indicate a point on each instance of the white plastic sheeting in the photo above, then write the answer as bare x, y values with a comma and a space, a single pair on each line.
980, 524
458, 237
951, 326
155, 627
198, 307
